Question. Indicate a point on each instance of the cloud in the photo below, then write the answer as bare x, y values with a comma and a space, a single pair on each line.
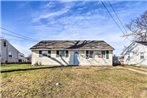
49, 15
87, 26
45, 14
78, 20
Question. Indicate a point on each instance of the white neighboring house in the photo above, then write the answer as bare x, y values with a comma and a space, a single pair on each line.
136, 54
9, 54
72, 52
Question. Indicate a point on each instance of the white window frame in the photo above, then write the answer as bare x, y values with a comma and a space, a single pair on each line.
89, 54
62, 53
10, 54
46, 53
142, 56
107, 54
103, 54
128, 57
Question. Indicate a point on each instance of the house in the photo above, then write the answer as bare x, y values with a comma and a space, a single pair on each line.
29, 58
135, 54
9, 54
72, 52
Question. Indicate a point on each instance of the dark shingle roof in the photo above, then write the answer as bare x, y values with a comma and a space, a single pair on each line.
142, 42
73, 44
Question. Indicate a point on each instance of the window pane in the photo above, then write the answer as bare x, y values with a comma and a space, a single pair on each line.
128, 58
107, 54
4, 43
62, 53
89, 54
10, 54
49, 53
57, 53
66, 53
141, 55
45, 53
40, 52
103, 54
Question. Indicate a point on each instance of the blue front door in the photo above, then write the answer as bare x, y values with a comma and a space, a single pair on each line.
74, 59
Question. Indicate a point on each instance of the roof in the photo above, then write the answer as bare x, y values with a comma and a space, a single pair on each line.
73, 44
133, 45
3, 40
142, 42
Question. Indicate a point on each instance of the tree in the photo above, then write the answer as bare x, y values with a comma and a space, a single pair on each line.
138, 28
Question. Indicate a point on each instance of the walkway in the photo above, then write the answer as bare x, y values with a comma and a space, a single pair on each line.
135, 70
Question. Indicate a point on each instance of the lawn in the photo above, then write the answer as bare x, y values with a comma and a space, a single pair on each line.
141, 68
73, 82
15, 66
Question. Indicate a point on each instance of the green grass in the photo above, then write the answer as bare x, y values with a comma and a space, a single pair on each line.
74, 82
15, 66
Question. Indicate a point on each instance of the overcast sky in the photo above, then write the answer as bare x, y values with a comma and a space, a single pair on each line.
56, 20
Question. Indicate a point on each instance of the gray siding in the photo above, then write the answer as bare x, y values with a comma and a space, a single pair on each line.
6, 50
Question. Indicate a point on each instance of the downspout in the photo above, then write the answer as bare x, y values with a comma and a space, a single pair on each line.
1, 53
7, 58
17, 59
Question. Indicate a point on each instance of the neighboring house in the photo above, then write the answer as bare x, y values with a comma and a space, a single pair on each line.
9, 54
135, 54
72, 52
121, 60
29, 59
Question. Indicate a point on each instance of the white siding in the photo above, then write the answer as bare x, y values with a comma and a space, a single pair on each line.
135, 50
83, 61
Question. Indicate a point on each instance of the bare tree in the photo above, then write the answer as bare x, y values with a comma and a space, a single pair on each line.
138, 28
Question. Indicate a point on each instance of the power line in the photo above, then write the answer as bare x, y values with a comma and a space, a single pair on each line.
13, 32
12, 35
17, 35
112, 17
117, 17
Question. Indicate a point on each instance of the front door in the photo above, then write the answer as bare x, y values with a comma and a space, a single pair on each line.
75, 58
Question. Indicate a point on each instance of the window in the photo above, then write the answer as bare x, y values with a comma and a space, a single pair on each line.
107, 54
142, 55
66, 53
63, 53
89, 54
21, 56
10, 54
97, 53
49, 53
103, 54
128, 58
45, 53
40, 53
4, 43
57, 53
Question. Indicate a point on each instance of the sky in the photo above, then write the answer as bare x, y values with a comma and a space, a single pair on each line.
67, 20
